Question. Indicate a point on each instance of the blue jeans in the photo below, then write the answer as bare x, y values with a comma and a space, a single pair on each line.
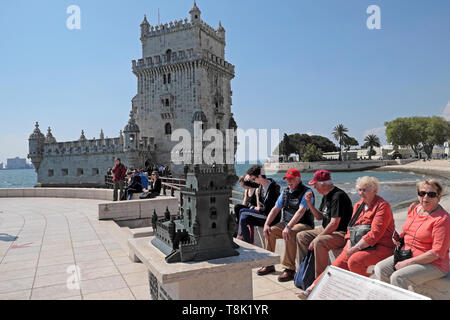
249, 217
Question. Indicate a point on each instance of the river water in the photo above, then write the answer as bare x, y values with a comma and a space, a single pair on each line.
395, 187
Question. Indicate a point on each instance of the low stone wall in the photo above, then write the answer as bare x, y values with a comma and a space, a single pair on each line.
333, 166
80, 193
137, 209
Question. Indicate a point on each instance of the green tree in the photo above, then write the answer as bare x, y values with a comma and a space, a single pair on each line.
420, 133
371, 141
323, 143
339, 134
403, 132
298, 143
285, 146
312, 153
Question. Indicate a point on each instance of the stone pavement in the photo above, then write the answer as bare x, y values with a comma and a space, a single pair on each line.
40, 238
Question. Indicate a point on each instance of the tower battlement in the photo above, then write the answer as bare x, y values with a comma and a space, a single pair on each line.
181, 56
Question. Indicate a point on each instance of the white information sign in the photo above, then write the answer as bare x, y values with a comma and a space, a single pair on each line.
340, 284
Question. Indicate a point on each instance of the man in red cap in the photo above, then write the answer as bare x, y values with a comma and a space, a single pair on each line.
335, 212
296, 217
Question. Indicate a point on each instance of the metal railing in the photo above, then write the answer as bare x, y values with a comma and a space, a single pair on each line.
170, 185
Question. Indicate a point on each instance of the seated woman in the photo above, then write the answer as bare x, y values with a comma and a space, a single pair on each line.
426, 232
266, 195
154, 187
249, 199
376, 212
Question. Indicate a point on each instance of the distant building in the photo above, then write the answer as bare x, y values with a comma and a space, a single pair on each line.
17, 163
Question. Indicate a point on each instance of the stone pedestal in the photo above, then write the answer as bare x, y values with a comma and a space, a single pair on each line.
219, 279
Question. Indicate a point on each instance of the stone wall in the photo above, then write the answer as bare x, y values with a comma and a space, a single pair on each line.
357, 165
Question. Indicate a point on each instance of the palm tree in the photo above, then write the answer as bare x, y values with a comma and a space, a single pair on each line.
339, 134
371, 141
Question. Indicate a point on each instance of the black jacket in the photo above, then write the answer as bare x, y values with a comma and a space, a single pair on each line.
267, 201
155, 186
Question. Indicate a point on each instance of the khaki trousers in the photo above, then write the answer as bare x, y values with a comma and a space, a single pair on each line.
290, 252
322, 245
412, 275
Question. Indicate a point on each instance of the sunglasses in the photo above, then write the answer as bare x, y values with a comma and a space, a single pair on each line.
431, 194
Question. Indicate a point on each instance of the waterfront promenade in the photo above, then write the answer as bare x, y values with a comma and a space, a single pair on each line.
54, 234
42, 238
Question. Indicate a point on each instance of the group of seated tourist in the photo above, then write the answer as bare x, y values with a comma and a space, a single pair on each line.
139, 182
418, 254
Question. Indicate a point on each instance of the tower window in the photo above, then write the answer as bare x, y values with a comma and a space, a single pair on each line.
64, 172
212, 200
213, 226
218, 126
168, 128
167, 102
168, 78
95, 171
50, 173
164, 79
79, 172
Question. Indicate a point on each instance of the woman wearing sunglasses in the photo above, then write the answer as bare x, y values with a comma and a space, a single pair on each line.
424, 242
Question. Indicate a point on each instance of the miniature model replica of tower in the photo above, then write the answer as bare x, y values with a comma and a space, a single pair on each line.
203, 230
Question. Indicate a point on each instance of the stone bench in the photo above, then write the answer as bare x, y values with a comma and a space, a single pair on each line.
435, 289
136, 213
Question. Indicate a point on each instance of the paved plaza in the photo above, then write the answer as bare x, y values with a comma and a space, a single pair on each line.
42, 239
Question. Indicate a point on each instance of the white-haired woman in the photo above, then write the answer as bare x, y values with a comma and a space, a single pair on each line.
376, 244
425, 239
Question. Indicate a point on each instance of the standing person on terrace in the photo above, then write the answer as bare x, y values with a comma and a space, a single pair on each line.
296, 217
267, 194
335, 212
119, 171
426, 232
375, 245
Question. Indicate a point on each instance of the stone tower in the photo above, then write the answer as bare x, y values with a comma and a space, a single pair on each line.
182, 77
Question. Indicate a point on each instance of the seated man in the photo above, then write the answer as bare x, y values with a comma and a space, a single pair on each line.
134, 184
266, 195
335, 211
296, 217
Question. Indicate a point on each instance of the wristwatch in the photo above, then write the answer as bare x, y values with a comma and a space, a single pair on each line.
358, 246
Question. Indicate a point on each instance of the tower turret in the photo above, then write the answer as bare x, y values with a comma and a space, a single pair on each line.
50, 138
131, 132
36, 143
195, 14
82, 137
221, 31
145, 27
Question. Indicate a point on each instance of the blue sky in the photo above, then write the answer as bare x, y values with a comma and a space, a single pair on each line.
301, 66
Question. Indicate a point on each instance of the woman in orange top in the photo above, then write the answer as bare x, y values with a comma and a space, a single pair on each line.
427, 233
378, 214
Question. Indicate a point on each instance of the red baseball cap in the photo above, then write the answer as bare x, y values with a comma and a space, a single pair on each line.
292, 173
320, 175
